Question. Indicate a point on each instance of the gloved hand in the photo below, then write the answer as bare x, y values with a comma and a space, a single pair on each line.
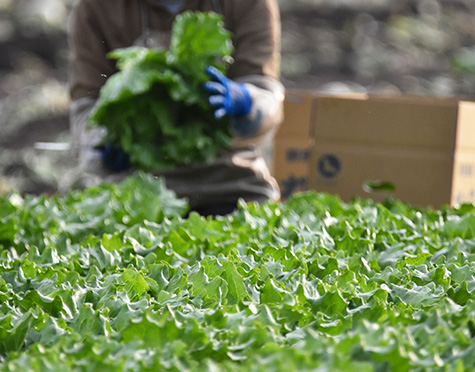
227, 96
115, 159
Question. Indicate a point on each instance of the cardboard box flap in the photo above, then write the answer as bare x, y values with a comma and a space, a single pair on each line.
466, 127
396, 121
298, 107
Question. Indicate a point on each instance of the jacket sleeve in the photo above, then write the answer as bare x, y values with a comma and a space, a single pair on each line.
256, 36
267, 95
257, 42
84, 140
89, 66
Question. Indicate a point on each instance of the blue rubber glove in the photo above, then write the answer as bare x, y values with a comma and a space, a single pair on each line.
115, 159
227, 97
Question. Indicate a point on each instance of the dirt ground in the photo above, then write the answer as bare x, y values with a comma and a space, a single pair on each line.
424, 47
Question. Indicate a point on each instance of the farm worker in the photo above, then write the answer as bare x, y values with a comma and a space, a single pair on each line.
251, 94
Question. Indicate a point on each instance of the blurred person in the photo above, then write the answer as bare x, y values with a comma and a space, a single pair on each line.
251, 94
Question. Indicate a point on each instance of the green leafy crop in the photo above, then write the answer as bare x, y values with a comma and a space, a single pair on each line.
120, 278
154, 107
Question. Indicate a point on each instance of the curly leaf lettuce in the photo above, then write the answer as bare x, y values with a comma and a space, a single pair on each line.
116, 278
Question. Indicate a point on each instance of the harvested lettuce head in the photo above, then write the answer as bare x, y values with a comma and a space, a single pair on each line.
154, 107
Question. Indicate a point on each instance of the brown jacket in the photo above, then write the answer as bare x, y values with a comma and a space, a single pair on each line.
99, 26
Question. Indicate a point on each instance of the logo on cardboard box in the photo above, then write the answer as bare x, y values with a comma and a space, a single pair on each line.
329, 166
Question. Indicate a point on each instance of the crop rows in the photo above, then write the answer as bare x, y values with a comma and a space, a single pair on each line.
120, 278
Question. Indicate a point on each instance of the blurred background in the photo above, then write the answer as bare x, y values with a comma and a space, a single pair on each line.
422, 47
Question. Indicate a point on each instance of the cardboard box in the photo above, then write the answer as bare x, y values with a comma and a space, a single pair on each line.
292, 144
416, 149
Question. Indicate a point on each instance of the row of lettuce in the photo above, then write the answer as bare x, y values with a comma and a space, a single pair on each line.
120, 278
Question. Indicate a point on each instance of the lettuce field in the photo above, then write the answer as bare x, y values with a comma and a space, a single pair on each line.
121, 278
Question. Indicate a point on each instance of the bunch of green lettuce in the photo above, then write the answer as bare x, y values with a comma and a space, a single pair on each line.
155, 108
